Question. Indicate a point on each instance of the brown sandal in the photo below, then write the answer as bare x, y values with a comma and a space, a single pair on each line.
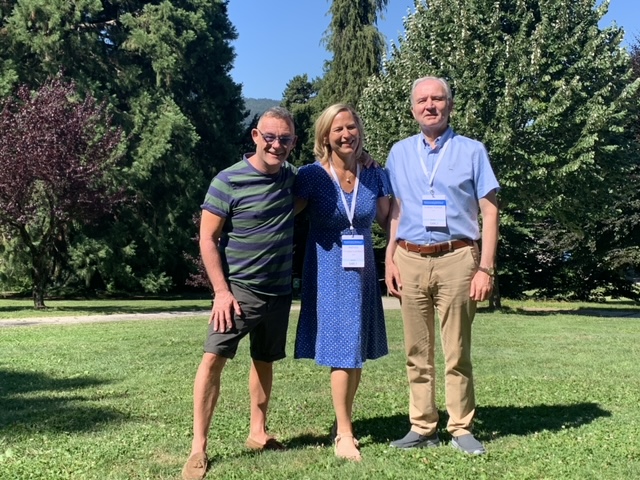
271, 444
196, 467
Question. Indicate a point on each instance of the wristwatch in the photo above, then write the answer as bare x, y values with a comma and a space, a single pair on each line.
489, 271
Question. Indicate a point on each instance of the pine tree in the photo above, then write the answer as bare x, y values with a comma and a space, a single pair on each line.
357, 47
299, 98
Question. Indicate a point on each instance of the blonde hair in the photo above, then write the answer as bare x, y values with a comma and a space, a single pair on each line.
321, 147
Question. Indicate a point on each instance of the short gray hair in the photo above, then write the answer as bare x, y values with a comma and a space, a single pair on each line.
444, 83
279, 113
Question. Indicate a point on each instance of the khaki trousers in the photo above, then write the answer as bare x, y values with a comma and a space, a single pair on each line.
438, 282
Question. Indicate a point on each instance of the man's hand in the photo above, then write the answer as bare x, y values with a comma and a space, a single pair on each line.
224, 306
481, 286
392, 279
367, 160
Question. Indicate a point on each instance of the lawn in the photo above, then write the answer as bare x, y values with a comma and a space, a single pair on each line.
557, 399
17, 308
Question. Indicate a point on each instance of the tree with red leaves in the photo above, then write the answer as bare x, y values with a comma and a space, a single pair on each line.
57, 153
199, 279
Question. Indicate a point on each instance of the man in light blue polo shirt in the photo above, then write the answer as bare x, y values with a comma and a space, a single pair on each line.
442, 182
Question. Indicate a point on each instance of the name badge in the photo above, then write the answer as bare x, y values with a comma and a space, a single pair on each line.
434, 211
352, 251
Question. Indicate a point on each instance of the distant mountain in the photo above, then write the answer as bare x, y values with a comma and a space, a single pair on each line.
257, 106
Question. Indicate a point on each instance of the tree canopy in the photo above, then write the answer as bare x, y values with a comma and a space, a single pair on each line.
163, 67
548, 92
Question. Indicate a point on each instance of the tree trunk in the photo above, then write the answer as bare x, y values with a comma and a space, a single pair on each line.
38, 299
39, 279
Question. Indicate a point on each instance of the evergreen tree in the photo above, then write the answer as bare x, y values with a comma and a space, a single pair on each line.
164, 68
635, 57
547, 91
299, 98
357, 47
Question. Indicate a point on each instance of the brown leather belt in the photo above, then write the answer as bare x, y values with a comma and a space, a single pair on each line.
434, 248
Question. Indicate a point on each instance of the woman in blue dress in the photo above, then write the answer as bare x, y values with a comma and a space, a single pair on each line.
341, 320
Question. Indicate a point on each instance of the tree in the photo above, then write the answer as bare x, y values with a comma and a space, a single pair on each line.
357, 47
164, 69
623, 229
635, 58
545, 89
299, 98
199, 277
56, 153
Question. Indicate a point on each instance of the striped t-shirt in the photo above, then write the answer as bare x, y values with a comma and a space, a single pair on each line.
257, 238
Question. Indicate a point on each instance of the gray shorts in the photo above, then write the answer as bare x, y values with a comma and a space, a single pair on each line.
264, 317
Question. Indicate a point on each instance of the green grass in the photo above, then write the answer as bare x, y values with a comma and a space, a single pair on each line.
18, 308
563, 306
557, 399
23, 307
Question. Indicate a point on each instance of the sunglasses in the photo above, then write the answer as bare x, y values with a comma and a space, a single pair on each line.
270, 138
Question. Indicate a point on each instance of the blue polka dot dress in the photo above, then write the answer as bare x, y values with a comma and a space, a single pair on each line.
341, 320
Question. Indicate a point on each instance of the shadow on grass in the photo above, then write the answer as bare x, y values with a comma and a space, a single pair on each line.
39, 403
604, 311
104, 310
496, 422
307, 440
491, 423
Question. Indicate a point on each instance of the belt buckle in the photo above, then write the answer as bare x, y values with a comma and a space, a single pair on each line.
450, 243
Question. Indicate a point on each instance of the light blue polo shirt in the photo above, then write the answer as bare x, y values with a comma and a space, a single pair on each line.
464, 175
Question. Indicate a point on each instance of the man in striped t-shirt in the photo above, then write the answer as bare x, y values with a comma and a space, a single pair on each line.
246, 242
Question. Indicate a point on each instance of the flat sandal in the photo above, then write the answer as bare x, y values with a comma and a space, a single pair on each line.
354, 457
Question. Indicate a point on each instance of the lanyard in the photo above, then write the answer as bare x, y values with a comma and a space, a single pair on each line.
435, 167
350, 211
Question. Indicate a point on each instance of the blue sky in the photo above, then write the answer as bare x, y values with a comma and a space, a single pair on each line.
279, 39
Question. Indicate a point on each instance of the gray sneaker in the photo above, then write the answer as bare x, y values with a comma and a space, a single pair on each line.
415, 440
468, 444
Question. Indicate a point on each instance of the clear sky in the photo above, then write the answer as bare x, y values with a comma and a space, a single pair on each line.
279, 39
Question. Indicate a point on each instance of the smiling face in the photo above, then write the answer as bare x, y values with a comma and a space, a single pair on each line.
343, 137
270, 156
431, 107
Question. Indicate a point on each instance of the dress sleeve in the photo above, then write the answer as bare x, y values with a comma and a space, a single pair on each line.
384, 185
303, 184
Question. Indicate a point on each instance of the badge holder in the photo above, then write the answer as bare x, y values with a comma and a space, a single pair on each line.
352, 245
352, 251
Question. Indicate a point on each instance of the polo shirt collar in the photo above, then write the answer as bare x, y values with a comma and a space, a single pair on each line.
440, 141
